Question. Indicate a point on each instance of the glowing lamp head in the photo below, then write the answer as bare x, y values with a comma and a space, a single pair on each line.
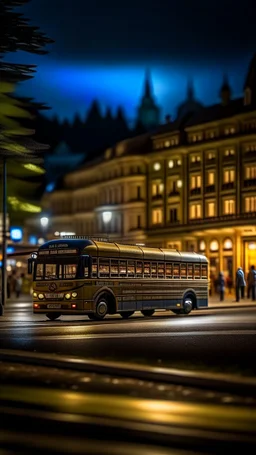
44, 221
106, 216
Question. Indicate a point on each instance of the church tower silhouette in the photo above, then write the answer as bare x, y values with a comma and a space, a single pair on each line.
148, 111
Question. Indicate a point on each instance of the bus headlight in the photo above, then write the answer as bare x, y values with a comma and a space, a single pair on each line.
34, 294
41, 296
68, 296
74, 295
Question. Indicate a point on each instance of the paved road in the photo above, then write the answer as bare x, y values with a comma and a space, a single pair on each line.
220, 337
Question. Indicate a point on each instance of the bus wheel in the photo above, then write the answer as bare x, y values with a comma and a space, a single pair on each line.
101, 309
53, 316
126, 314
148, 312
187, 305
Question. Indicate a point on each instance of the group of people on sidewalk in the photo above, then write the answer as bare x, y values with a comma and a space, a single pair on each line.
240, 284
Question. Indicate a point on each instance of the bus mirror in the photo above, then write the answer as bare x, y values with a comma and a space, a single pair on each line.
30, 266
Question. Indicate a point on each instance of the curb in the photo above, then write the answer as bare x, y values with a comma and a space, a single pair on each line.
219, 382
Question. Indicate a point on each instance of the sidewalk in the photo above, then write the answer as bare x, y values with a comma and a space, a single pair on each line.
229, 302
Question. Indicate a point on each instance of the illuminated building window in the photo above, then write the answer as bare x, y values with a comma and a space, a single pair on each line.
229, 206
196, 181
250, 148
229, 130
178, 162
167, 144
211, 178
195, 211
157, 216
157, 166
229, 176
196, 137
211, 209
171, 164
250, 204
250, 172
179, 183
210, 156
214, 245
229, 152
157, 189
195, 159
227, 244
202, 246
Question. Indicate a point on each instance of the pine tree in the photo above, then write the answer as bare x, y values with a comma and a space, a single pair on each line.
16, 145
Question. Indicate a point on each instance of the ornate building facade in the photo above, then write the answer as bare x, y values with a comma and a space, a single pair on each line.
190, 185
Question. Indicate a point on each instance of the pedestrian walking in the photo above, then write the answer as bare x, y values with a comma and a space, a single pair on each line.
240, 284
221, 286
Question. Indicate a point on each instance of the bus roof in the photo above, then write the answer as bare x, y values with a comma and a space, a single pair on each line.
112, 249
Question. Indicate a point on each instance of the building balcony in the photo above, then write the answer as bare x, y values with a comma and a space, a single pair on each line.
210, 189
157, 197
195, 191
210, 161
228, 186
228, 158
196, 164
174, 193
249, 182
226, 217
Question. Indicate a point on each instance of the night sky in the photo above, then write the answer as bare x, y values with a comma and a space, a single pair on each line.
102, 50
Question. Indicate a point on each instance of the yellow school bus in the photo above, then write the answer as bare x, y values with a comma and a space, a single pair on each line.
95, 277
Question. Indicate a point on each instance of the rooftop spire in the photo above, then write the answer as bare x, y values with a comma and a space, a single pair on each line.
190, 90
147, 85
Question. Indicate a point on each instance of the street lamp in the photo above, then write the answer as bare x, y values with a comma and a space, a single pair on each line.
44, 221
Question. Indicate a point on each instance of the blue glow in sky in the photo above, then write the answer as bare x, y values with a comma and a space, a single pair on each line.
70, 87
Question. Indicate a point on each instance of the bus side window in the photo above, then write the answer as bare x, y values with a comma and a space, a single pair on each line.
176, 270
131, 269
94, 268
197, 271
86, 272
104, 267
190, 270
123, 268
183, 271
114, 267
153, 270
204, 271
168, 270
146, 270
160, 270
139, 269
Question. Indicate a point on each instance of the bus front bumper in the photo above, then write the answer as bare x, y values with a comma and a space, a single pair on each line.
64, 307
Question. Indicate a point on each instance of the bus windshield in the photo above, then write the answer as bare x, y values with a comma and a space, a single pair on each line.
56, 271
